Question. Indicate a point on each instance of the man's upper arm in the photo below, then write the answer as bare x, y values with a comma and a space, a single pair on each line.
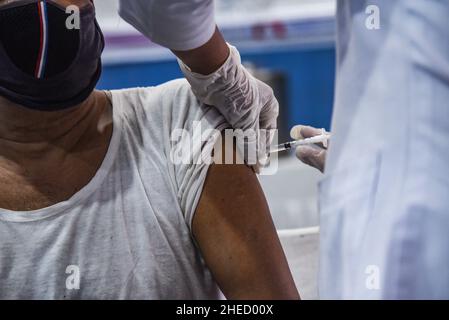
238, 240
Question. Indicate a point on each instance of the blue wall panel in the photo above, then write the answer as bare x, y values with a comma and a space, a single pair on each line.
309, 74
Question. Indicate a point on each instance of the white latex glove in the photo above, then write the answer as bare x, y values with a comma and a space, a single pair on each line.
312, 155
175, 24
244, 101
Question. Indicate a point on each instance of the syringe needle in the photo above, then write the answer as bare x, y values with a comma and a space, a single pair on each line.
282, 147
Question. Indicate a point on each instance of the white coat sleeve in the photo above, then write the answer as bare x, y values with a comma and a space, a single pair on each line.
175, 24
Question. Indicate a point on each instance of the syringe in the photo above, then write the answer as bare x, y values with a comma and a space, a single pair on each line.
323, 138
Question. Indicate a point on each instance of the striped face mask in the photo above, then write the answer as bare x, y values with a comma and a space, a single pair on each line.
50, 59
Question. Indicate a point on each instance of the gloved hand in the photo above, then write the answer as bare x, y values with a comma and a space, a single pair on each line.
244, 101
312, 155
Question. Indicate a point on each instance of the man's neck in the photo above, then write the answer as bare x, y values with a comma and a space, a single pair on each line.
45, 157
27, 134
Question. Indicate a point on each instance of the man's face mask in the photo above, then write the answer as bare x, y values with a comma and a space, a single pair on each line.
46, 61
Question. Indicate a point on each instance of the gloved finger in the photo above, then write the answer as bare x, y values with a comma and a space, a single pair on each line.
269, 115
268, 121
313, 156
301, 132
304, 132
269, 111
267, 134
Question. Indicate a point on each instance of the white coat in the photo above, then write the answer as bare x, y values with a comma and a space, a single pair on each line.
384, 201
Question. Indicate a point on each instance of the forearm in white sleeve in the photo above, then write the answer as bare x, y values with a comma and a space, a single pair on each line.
175, 24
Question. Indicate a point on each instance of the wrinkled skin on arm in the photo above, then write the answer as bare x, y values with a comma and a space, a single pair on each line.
237, 237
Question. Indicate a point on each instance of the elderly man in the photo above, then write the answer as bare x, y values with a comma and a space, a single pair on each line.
92, 205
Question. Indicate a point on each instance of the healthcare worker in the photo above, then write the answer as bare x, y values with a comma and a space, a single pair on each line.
384, 199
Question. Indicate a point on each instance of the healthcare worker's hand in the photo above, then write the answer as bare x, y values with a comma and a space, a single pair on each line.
246, 102
313, 155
